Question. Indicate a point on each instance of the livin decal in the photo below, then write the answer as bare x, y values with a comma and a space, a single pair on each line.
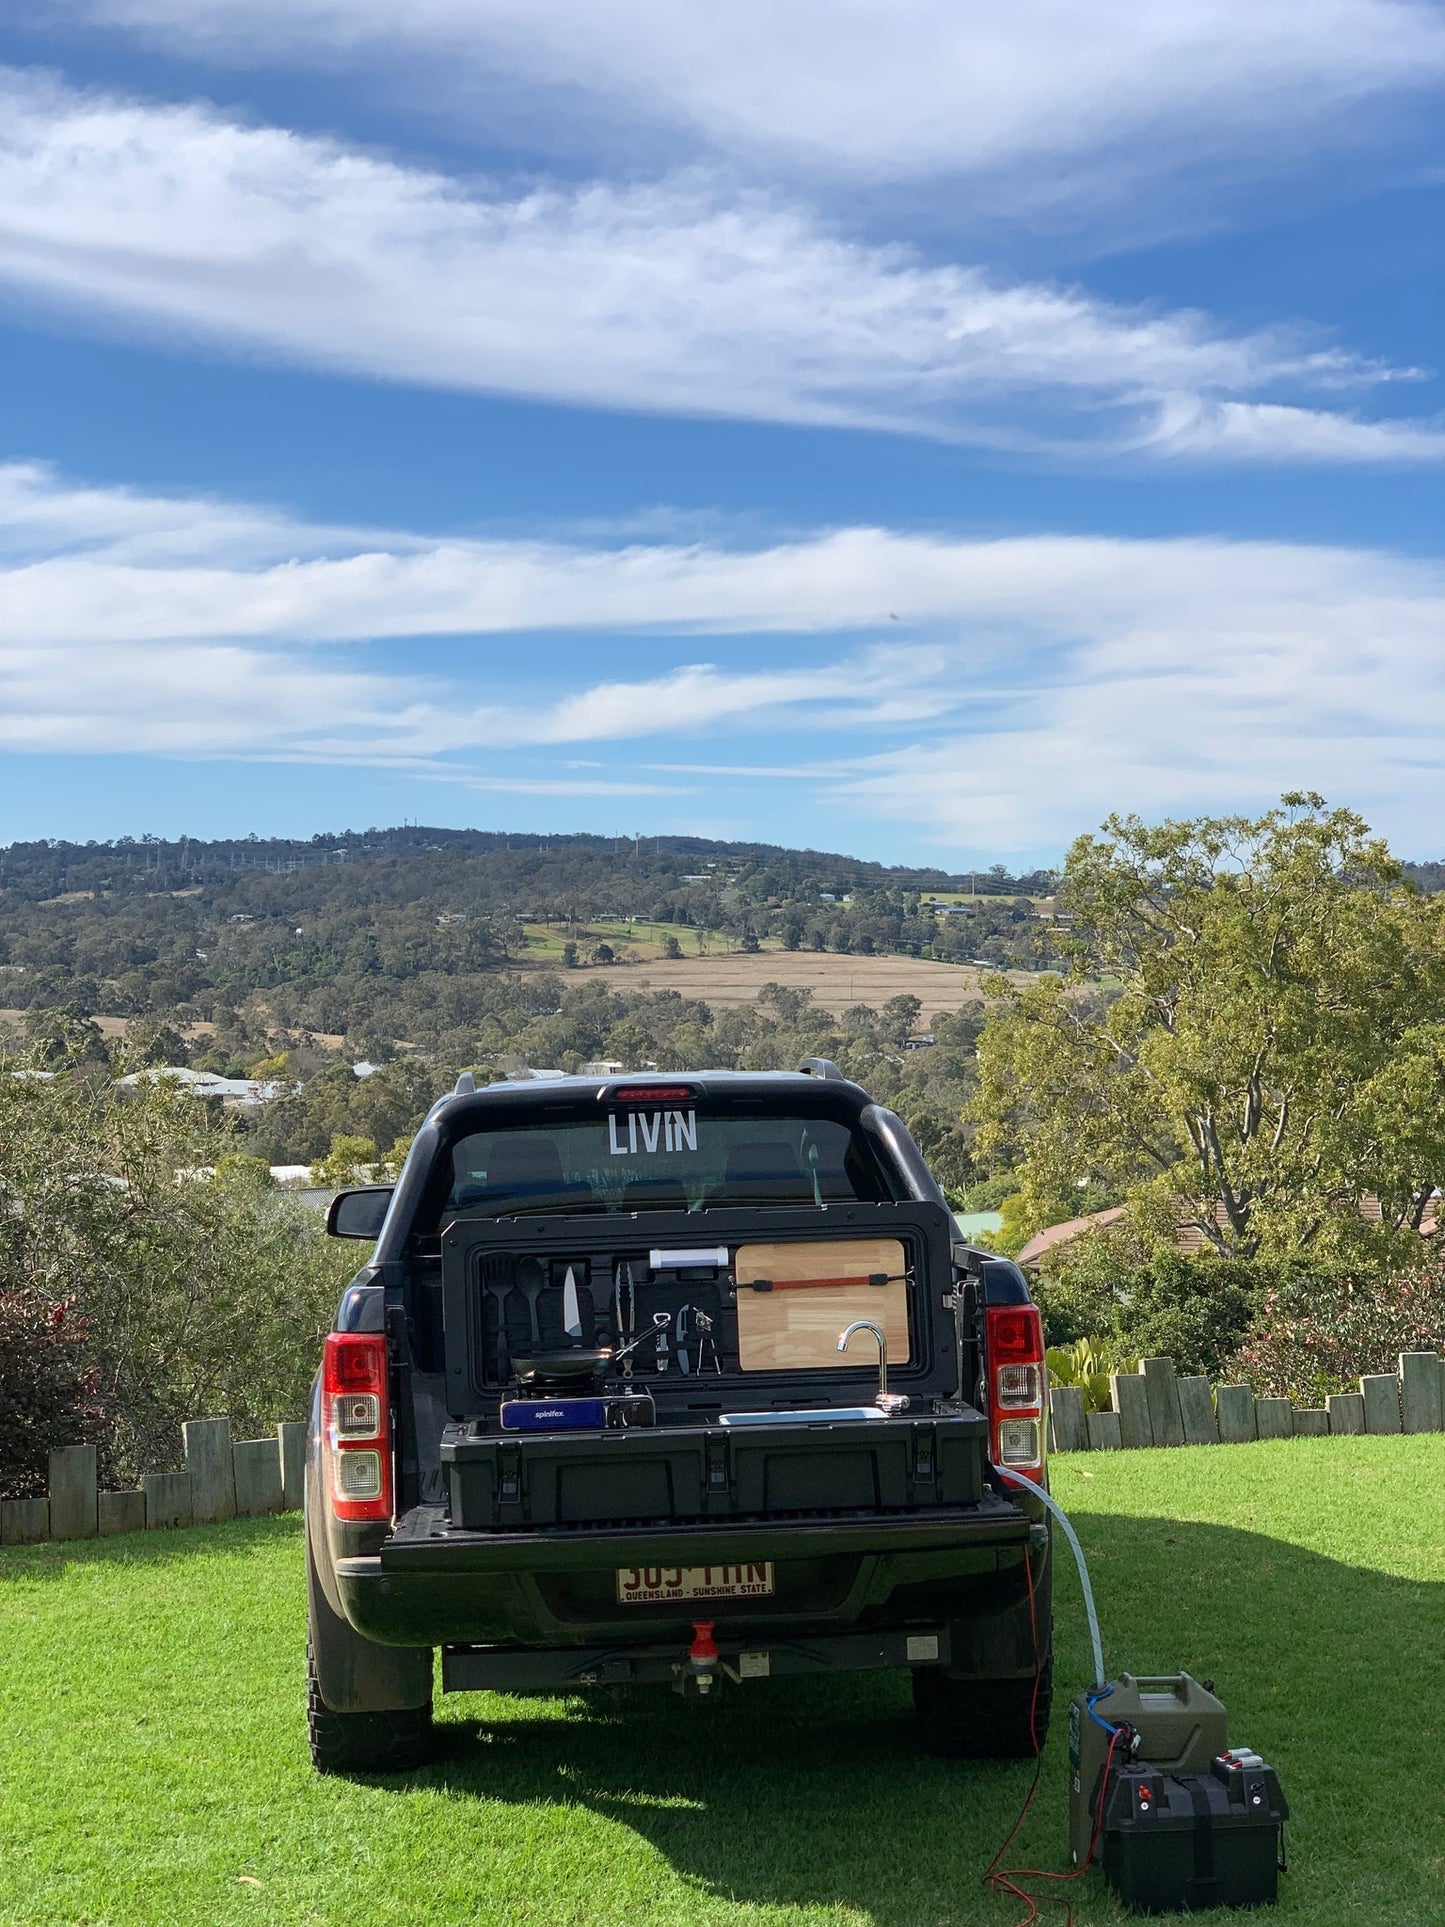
647, 1132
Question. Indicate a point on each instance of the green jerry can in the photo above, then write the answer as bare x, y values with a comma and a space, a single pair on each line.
1182, 1821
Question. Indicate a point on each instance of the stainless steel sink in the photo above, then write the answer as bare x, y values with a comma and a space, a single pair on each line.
811, 1416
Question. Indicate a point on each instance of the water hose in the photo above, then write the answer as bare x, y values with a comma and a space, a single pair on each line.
1101, 1678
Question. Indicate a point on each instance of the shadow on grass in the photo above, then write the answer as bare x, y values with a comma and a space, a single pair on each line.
809, 1793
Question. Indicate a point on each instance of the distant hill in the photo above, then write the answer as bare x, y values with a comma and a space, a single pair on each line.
508, 865
401, 933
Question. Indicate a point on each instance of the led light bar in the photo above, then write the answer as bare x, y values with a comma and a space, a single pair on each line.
714, 1258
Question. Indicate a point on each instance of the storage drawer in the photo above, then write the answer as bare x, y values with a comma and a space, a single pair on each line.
575, 1479
692, 1472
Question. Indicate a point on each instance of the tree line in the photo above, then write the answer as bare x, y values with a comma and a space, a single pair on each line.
400, 935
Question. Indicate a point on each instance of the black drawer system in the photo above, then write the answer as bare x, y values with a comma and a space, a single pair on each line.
703, 1471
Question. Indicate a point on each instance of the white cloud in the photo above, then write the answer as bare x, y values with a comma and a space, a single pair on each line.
663, 298
1030, 684
93, 566
1238, 431
868, 89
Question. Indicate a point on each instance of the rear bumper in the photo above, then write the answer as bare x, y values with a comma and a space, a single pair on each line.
478, 1670
434, 1585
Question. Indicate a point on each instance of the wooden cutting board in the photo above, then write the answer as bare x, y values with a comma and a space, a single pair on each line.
798, 1330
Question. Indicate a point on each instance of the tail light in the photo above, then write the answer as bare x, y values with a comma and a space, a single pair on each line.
356, 1422
1016, 1387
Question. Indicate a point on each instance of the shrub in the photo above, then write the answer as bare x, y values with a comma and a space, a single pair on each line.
349, 1161
198, 1294
982, 1194
1088, 1363
49, 1393
1195, 1310
1311, 1337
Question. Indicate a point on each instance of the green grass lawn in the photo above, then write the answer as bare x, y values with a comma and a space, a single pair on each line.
153, 1764
545, 940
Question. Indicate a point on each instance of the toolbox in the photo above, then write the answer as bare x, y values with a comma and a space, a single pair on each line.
1176, 1841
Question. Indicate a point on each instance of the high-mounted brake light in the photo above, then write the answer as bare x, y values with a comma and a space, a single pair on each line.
652, 1094
356, 1425
1014, 1336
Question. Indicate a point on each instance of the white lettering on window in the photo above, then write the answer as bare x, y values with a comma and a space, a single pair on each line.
661, 1130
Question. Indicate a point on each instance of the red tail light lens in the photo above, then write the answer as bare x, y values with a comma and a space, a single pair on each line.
356, 1422
1014, 1335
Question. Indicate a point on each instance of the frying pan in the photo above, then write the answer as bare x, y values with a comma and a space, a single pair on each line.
570, 1371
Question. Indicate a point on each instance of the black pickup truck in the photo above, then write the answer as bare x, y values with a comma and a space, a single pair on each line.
683, 1379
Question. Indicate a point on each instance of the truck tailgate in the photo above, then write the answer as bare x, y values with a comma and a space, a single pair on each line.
426, 1541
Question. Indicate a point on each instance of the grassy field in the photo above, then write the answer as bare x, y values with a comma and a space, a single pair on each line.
153, 1764
545, 940
835, 981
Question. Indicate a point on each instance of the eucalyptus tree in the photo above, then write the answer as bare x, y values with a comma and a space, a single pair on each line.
1249, 1035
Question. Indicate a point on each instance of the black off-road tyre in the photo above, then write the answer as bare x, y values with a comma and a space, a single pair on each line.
395, 1742
981, 1719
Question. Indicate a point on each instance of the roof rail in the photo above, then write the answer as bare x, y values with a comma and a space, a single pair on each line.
464, 1085
822, 1067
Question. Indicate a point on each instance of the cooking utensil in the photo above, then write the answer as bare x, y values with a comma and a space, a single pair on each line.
627, 1312
562, 1371
660, 1321
571, 1310
684, 1364
706, 1342
498, 1271
532, 1279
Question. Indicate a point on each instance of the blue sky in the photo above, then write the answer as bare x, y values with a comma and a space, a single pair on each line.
916, 429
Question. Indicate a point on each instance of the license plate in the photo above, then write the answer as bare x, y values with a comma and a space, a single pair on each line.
649, 1585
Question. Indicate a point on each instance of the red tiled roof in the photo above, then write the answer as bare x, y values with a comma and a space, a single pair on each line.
1188, 1236
1065, 1233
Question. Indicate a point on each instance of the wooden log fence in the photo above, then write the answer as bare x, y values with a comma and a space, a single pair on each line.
226, 1478
1155, 1406
222, 1478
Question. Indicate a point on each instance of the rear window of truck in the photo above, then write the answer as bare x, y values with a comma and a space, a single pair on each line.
669, 1159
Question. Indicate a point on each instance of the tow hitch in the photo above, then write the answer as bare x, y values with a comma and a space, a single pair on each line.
698, 1673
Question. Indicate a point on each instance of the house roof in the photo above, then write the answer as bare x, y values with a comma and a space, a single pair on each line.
1188, 1237
1065, 1233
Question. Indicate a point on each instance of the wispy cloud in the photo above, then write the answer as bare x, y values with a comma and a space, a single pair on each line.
1027, 685
174, 570
672, 297
879, 90
1236, 431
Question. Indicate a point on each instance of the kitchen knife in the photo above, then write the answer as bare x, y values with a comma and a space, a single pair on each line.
683, 1364
571, 1311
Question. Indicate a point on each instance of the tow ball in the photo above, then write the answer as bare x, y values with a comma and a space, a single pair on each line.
698, 1673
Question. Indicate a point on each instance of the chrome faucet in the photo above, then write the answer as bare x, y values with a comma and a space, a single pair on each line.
886, 1401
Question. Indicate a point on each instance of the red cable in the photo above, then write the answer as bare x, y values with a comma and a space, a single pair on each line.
1003, 1879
